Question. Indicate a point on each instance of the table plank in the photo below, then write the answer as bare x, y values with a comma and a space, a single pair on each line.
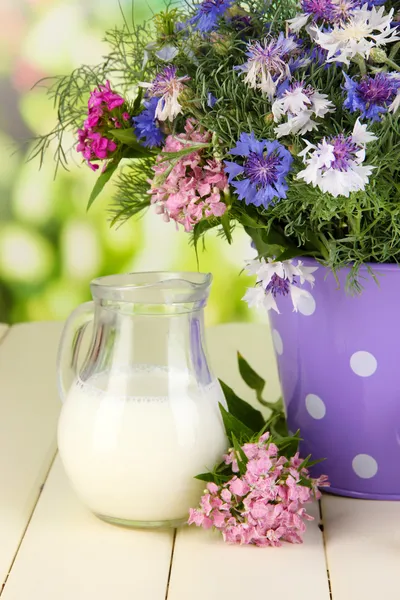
362, 546
29, 409
68, 553
205, 567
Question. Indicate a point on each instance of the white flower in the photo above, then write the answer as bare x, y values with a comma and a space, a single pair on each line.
361, 136
364, 29
306, 273
168, 107
335, 165
257, 298
300, 104
394, 107
275, 278
268, 63
298, 22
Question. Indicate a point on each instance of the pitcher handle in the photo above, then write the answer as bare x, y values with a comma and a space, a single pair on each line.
70, 343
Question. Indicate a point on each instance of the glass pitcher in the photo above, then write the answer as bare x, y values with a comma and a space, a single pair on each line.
140, 414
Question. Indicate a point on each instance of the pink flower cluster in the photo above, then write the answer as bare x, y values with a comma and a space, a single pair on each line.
191, 186
91, 141
265, 505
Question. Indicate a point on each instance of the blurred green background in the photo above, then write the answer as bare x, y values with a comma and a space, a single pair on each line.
50, 248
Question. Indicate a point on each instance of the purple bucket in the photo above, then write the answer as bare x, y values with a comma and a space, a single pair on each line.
339, 366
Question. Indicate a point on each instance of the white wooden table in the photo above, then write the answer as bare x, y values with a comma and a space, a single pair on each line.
52, 548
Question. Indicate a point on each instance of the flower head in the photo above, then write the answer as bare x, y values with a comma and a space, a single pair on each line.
146, 125
104, 97
364, 29
191, 188
105, 112
299, 103
277, 279
267, 63
265, 505
209, 13
167, 86
373, 95
335, 165
328, 12
260, 176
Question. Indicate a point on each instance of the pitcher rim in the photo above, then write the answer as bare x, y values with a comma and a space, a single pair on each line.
153, 287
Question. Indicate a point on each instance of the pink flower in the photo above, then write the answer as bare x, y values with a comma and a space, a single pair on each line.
206, 504
238, 487
193, 187
226, 495
212, 488
105, 96
93, 142
266, 505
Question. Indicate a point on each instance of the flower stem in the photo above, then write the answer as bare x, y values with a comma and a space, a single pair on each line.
394, 50
392, 64
358, 59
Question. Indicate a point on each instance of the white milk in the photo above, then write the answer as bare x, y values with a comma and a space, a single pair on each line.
131, 442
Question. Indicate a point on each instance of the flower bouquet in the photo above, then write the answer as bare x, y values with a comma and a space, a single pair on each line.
279, 116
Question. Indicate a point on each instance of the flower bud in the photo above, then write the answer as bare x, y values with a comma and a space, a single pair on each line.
269, 118
378, 56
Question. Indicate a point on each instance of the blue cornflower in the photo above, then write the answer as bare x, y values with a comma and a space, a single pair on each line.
261, 175
146, 125
372, 95
208, 14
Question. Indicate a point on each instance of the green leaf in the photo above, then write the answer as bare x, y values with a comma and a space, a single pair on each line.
279, 426
253, 380
209, 477
225, 220
184, 151
234, 426
290, 253
243, 411
241, 457
103, 179
138, 101
128, 137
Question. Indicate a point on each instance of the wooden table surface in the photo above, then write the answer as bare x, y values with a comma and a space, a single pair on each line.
53, 548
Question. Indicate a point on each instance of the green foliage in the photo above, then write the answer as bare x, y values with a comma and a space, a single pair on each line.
244, 424
243, 411
104, 177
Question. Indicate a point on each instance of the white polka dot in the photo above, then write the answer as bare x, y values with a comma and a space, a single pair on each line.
315, 406
363, 363
365, 466
278, 344
306, 305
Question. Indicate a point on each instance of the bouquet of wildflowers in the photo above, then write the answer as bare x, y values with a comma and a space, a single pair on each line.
259, 492
280, 116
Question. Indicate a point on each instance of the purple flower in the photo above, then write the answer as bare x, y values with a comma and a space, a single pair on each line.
268, 62
146, 125
261, 174
321, 10
208, 14
167, 86
279, 286
372, 95
344, 150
